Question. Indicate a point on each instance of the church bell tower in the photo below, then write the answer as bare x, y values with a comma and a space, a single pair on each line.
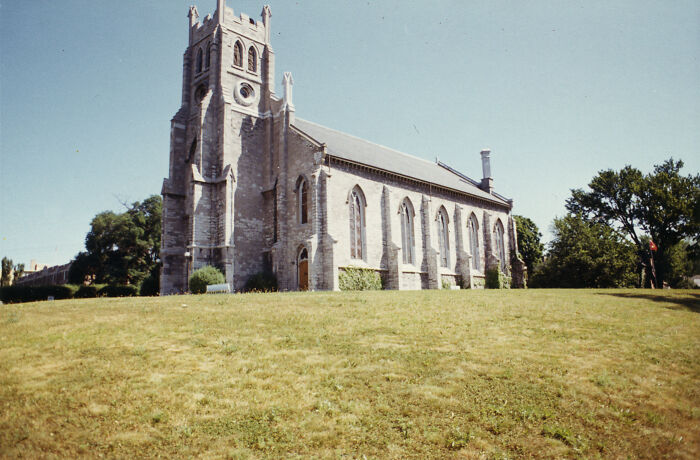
220, 147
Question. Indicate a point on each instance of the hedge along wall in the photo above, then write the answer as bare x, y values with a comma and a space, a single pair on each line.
20, 294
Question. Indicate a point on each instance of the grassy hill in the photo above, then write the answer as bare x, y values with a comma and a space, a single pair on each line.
438, 374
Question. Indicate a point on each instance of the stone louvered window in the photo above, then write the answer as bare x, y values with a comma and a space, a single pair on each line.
357, 225
407, 241
303, 197
474, 242
238, 54
500, 244
252, 60
198, 65
443, 238
207, 61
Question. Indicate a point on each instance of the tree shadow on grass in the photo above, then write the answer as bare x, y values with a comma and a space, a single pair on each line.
686, 301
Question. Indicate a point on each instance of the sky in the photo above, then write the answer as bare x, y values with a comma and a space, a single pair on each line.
557, 90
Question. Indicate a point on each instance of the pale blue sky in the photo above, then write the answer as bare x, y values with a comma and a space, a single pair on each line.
557, 90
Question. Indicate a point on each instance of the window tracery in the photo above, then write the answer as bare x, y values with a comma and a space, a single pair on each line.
252, 59
357, 225
238, 54
407, 240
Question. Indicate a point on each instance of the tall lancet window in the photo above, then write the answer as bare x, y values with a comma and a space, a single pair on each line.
443, 238
198, 65
407, 243
207, 61
500, 244
238, 54
302, 196
474, 242
357, 225
252, 60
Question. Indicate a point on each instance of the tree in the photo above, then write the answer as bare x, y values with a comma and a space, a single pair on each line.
6, 271
586, 253
121, 248
680, 265
663, 205
529, 244
19, 271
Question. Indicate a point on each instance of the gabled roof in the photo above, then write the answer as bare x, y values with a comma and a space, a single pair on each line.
360, 151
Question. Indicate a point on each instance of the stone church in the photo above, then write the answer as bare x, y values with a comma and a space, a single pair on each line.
253, 188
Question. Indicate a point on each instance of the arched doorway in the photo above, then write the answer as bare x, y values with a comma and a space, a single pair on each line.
303, 269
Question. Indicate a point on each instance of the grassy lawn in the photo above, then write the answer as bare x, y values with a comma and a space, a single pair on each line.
438, 374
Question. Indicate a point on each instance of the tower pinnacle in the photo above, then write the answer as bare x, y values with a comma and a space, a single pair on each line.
288, 82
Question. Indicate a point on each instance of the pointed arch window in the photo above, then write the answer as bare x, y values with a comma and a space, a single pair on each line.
357, 224
252, 59
207, 61
474, 242
303, 198
500, 244
238, 54
407, 240
198, 65
443, 238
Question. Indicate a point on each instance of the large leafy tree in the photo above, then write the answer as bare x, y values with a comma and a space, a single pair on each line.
121, 248
663, 204
586, 253
529, 242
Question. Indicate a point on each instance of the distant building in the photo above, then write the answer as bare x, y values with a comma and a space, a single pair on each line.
33, 267
43, 275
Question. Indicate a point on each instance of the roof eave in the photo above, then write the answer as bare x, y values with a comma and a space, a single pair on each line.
504, 203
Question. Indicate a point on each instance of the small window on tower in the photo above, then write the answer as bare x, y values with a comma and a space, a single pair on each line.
207, 61
252, 60
198, 66
238, 54
244, 94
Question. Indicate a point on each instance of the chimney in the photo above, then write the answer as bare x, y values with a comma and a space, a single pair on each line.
487, 181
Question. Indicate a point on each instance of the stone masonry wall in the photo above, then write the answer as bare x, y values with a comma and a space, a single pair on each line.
425, 200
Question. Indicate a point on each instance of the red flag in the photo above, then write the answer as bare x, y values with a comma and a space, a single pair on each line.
652, 246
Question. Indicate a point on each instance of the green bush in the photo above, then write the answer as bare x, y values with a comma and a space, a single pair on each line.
15, 294
123, 290
87, 292
496, 279
203, 277
150, 286
261, 282
359, 279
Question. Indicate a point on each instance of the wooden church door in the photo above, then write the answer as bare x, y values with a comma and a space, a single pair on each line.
303, 270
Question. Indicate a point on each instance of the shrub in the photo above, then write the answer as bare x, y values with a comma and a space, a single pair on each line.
150, 286
496, 279
445, 284
15, 294
119, 290
261, 282
203, 277
87, 292
359, 279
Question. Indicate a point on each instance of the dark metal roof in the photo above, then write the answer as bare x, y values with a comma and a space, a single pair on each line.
367, 153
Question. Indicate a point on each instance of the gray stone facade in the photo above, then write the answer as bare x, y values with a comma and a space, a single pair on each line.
251, 188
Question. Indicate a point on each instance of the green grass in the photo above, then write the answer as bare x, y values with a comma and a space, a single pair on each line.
428, 374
